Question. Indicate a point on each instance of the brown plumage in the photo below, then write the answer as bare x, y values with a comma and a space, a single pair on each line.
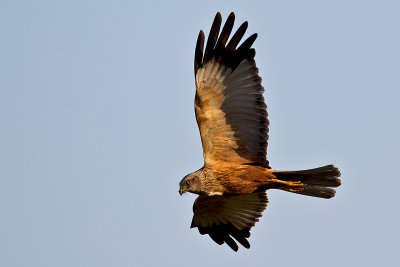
232, 119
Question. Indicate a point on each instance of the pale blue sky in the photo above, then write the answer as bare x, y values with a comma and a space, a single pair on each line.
97, 128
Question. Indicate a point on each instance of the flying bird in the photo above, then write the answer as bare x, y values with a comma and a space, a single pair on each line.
232, 118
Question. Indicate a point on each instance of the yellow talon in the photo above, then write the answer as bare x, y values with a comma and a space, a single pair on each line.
290, 183
295, 183
296, 189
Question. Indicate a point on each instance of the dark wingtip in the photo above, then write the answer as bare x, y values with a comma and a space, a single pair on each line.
198, 53
237, 36
246, 45
226, 233
212, 37
231, 17
201, 34
231, 243
216, 46
226, 31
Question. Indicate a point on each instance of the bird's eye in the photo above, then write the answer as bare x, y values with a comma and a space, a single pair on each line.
189, 182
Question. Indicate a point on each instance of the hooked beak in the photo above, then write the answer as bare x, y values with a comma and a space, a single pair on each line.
181, 191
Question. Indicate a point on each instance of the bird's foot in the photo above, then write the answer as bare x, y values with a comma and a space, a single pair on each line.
289, 183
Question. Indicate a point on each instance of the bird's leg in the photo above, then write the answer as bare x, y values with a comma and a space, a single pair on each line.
294, 186
290, 183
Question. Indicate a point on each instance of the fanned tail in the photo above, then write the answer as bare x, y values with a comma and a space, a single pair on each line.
316, 182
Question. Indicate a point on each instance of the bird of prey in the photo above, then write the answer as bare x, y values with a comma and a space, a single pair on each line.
232, 119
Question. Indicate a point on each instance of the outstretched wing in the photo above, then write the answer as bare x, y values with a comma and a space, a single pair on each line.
224, 217
230, 108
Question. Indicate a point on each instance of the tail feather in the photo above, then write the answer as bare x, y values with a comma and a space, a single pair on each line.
314, 182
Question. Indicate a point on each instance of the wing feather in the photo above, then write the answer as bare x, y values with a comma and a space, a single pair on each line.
223, 217
237, 37
198, 56
229, 103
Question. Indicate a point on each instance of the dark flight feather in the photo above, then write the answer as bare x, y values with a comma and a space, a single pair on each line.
215, 47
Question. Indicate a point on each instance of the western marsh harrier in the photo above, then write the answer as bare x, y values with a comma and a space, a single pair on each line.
232, 118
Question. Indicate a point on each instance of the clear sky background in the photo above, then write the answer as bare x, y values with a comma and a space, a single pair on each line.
97, 128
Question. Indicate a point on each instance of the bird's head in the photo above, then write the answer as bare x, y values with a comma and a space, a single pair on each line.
191, 183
